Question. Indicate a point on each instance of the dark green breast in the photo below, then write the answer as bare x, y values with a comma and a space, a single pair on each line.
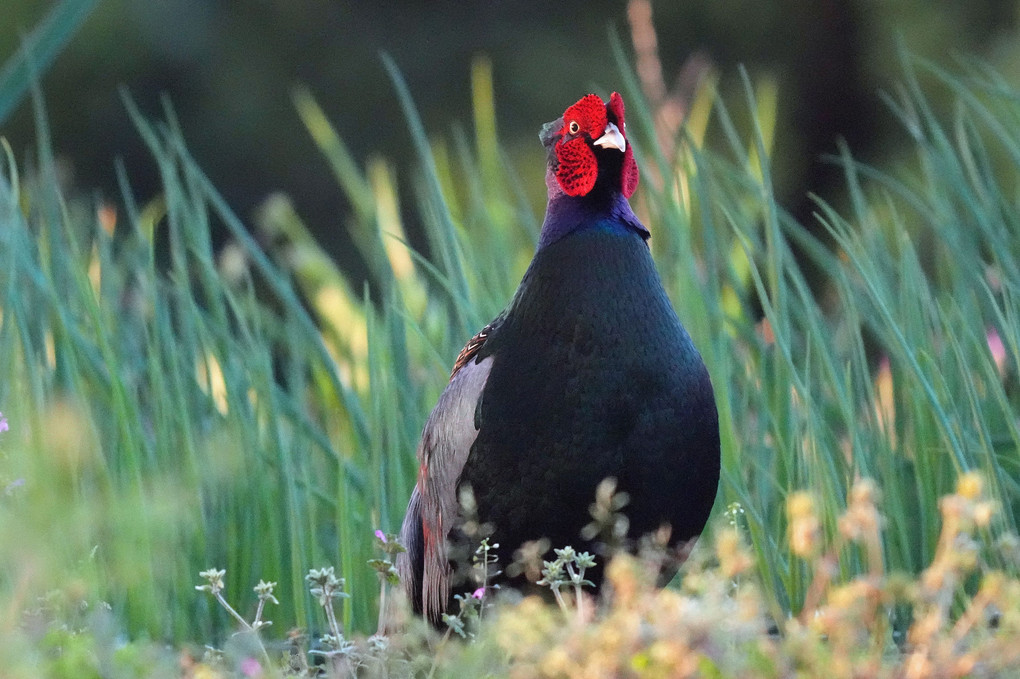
593, 376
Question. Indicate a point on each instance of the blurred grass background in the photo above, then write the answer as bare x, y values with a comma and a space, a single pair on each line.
190, 386
229, 68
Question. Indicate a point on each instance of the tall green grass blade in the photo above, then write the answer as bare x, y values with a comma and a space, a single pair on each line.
435, 208
39, 48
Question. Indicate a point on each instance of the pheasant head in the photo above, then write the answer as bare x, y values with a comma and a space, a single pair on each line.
588, 146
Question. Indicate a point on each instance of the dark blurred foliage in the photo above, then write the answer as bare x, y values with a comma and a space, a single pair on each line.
228, 67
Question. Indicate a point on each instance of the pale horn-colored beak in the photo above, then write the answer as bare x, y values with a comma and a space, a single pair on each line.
612, 138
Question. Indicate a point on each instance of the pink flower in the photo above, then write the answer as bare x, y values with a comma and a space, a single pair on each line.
3, 423
997, 349
250, 667
382, 536
478, 593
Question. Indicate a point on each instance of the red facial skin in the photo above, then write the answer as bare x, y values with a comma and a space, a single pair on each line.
583, 123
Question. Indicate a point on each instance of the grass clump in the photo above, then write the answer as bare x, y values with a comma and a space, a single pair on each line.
961, 613
717, 622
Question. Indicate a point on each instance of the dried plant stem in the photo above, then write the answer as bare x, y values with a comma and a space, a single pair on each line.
381, 626
825, 567
334, 624
246, 627
230, 609
560, 601
580, 615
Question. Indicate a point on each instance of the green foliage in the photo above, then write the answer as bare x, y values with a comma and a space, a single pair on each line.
38, 50
159, 409
173, 407
891, 366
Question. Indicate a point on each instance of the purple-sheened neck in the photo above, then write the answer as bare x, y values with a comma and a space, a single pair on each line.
567, 214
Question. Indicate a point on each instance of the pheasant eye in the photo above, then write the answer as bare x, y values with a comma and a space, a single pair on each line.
573, 128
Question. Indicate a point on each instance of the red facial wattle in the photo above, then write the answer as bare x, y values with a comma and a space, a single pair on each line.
629, 174
584, 122
578, 168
